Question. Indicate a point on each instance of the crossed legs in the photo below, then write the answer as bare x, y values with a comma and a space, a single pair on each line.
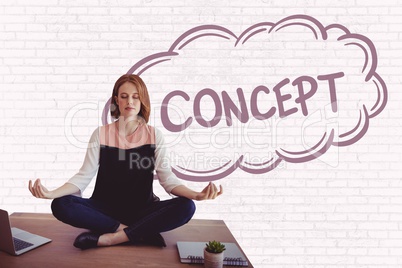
144, 224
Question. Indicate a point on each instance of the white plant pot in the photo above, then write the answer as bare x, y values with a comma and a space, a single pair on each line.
213, 260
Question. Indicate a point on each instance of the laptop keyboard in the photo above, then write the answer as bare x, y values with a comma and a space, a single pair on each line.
19, 244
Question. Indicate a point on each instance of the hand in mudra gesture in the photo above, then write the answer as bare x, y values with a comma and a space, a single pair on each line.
38, 190
209, 192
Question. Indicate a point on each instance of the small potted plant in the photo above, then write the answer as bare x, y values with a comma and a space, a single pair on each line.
213, 254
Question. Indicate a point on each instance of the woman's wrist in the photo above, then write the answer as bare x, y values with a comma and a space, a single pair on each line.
183, 191
51, 195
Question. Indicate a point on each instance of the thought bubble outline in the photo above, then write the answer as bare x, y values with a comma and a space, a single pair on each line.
327, 140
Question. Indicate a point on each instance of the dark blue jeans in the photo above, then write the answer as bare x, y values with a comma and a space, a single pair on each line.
157, 217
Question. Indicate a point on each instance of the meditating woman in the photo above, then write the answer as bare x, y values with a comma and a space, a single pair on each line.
124, 154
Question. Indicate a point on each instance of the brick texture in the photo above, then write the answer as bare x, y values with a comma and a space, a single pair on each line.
60, 59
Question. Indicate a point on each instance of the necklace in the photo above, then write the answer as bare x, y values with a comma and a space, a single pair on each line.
126, 129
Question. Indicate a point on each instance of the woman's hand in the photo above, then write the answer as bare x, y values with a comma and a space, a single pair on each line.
209, 192
38, 190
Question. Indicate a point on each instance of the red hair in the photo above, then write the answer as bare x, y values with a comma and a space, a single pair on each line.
145, 110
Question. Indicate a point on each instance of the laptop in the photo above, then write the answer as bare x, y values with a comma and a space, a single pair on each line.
16, 241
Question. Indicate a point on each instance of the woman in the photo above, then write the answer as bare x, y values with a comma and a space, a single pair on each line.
124, 155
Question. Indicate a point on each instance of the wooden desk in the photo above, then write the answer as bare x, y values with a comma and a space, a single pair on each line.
61, 253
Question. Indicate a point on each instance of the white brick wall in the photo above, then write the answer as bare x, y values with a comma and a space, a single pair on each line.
55, 55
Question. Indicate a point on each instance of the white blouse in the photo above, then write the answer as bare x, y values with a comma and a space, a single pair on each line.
164, 174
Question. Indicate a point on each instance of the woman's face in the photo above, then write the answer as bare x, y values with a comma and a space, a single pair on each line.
128, 100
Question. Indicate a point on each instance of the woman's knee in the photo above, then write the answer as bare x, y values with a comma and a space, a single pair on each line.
61, 206
187, 207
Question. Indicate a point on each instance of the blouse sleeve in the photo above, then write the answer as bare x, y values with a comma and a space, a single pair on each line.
90, 165
166, 177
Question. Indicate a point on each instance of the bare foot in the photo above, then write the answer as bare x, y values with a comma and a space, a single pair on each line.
111, 239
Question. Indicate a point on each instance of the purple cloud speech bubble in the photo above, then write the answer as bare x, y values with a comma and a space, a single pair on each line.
293, 26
